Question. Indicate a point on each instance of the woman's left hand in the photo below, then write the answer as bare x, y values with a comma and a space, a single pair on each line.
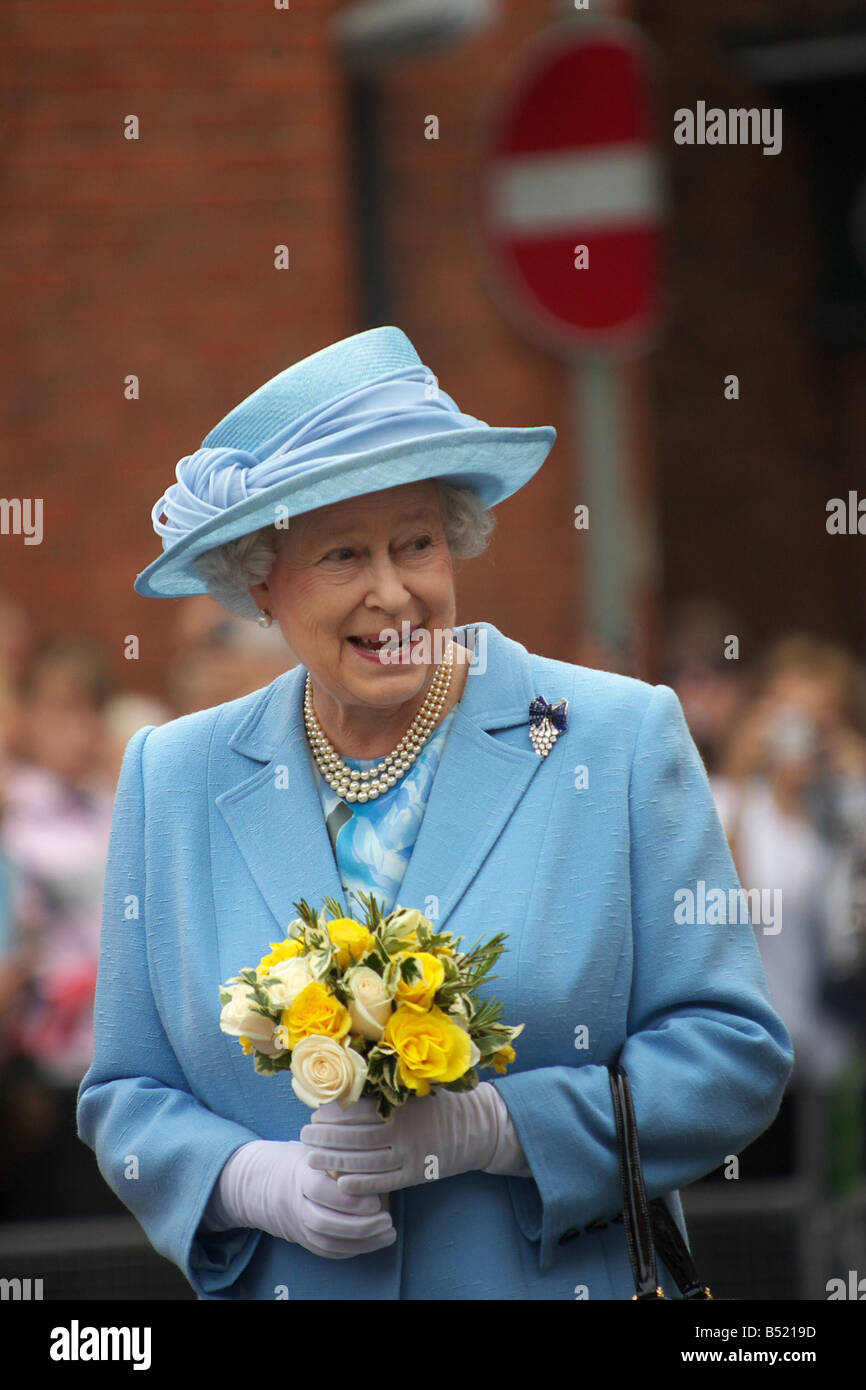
429, 1137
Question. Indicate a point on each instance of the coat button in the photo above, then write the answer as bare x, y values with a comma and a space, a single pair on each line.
569, 1234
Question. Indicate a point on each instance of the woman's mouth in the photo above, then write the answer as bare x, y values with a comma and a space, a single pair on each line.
370, 647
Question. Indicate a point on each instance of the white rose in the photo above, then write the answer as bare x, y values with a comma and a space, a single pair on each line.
371, 1005
325, 1070
237, 1018
458, 1015
286, 980
407, 920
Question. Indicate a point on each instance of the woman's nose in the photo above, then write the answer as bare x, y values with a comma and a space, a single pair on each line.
385, 586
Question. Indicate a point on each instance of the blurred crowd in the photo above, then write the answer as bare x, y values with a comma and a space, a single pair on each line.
63, 729
783, 738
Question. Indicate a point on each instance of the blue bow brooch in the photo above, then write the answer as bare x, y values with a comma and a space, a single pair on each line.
546, 722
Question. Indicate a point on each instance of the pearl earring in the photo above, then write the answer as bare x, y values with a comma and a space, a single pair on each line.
264, 619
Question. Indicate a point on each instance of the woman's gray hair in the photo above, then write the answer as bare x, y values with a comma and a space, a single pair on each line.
230, 569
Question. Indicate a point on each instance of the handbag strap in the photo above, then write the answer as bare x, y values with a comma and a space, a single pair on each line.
645, 1222
636, 1218
675, 1252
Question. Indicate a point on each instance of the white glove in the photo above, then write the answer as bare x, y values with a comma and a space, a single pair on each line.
460, 1130
270, 1186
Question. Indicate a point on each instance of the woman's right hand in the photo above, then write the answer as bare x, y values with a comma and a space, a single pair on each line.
270, 1186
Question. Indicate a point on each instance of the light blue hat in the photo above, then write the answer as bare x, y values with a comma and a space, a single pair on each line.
358, 416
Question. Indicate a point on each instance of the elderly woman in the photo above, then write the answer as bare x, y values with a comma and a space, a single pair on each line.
335, 500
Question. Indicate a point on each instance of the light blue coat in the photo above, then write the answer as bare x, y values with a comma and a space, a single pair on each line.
210, 847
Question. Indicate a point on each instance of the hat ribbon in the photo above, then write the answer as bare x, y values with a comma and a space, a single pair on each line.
395, 408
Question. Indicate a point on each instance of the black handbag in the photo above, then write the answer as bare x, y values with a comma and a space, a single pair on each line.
648, 1225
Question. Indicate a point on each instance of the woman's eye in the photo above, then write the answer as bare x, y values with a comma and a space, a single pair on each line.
420, 543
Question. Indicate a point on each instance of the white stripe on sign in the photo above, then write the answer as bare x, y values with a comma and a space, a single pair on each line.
568, 191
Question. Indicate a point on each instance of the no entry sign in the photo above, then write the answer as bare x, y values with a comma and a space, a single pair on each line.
569, 189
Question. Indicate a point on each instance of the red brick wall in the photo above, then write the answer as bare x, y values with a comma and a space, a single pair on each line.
743, 485
155, 257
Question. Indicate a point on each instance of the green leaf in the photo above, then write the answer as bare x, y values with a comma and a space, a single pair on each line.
335, 908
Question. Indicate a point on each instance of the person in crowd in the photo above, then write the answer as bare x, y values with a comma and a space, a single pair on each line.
705, 665
217, 655
791, 794
57, 806
122, 716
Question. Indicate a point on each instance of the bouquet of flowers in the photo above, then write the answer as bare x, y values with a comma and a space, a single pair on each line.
383, 1007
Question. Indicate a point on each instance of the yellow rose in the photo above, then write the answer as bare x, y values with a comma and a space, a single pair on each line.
429, 1047
419, 994
316, 1010
280, 951
351, 938
503, 1057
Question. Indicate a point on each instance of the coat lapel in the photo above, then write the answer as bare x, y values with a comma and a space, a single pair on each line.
275, 815
480, 778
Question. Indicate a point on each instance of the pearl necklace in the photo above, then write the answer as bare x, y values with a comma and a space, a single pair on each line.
348, 782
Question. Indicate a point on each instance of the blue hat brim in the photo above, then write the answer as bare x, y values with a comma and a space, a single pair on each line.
494, 461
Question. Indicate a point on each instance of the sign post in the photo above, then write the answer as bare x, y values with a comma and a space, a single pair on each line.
570, 208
